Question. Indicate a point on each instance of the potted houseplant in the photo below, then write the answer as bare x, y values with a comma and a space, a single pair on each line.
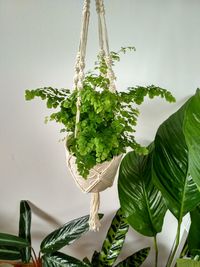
107, 119
167, 178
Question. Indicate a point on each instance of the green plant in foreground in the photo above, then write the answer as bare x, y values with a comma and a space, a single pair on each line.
107, 120
19, 248
173, 167
113, 244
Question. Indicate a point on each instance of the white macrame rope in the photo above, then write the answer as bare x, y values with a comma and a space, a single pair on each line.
104, 43
80, 59
94, 222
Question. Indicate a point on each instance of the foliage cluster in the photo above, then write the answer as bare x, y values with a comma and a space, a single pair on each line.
20, 247
107, 119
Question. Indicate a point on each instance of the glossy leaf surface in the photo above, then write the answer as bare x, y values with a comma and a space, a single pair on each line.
9, 253
140, 200
13, 241
59, 259
25, 229
114, 240
65, 235
136, 259
172, 161
192, 135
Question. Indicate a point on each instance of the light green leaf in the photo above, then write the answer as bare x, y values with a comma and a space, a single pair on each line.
187, 263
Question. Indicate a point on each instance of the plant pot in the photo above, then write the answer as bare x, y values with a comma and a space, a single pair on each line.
100, 176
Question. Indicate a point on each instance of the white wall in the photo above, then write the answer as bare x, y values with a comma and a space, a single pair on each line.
38, 43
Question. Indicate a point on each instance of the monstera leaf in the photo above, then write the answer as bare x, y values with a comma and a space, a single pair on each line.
25, 229
140, 200
136, 259
176, 158
114, 241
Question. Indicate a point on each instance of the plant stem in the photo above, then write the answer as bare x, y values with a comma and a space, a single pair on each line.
176, 244
156, 251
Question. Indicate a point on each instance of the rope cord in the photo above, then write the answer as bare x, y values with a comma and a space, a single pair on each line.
94, 222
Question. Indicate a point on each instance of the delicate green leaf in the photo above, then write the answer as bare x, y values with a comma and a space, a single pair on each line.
140, 200
174, 171
114, 240
194, 233
136, 259
25, 229
187, 263
59, 259
13, 241
9, 253
65, 235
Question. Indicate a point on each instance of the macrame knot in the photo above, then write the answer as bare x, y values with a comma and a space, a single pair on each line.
86, 6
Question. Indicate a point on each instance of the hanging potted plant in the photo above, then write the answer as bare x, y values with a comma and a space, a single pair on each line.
99, 121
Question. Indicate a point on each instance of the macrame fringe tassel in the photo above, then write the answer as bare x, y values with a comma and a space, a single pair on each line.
94, 221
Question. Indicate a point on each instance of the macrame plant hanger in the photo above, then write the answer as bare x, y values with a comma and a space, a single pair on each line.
102, 175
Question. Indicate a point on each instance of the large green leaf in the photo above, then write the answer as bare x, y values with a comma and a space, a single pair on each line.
136, 259
114, 240
12, 241
140, 200
25, 229
59, 259
194, 233
65, 235
173, 166
192, 135
9, 253
187, 263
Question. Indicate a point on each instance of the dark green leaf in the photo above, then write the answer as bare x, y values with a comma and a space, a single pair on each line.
13, 241
140, 200
9, 253
86, 260
191, 130
59, 259
95, 258
65, 235
25, 229
136, 259
194, 233
114, 240
174, 171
